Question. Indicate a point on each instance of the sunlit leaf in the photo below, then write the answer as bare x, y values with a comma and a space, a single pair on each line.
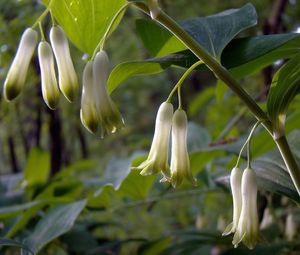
85, 22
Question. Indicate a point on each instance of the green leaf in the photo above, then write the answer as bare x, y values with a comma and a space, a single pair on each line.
11, 211
212, 32
248, 55
85, 22
7, 242
285, 86
37, 168
56, 222
243, 56
122, 181
154, 247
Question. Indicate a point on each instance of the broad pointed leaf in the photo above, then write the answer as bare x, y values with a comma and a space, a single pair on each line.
55, 223
212, 32
85, 22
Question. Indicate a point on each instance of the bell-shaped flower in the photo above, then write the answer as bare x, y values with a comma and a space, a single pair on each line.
109, 115
180, 162
267, 219
49, 85
88, 112
17, 73
248, 228
67, 78
158, 156
235, 183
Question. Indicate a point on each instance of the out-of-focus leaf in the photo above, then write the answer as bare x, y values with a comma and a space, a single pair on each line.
37, 168
7, 242
119, 178
55, 223
11, 211
154, 247
212, 32
197, 137
85, 22
75, 168
199, 101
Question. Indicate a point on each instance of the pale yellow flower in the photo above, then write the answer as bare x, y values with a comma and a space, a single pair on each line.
235, 183
17, 73
88, 112
67, 78
110, 116
49, 85
180, 162
158, 156
248, 227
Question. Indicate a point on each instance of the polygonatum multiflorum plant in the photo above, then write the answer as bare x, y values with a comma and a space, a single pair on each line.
196, 43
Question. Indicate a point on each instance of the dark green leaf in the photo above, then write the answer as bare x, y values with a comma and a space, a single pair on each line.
7, 242
285, 86
55, 223
85, 22
212, 32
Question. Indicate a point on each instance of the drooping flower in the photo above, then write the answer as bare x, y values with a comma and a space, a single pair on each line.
158, 156
267, 219
110, 116
235, 183
88, 112
180, 162
17, 73
67, 78
49, 85
290, 227
248, 228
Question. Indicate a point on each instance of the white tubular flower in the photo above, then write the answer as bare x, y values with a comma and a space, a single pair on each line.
49, 85
248, 227
88, 112
67, 78
290, 227
267, 219
235, 183
158, 156
180, 162
110, 117
17, 73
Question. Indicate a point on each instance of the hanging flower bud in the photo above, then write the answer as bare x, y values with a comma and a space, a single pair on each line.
67, 78
49, 85
180, 162
248, 228
158, 156
109, 115
16, 76
88, 112
235, 183
267, 219
290, 227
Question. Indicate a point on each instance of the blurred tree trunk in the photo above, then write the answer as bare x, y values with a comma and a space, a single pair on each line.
12, 155
273, 25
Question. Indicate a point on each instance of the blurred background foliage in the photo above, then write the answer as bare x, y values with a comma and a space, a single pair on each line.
52, 167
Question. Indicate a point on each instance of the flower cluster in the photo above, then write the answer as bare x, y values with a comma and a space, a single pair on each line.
157, 161
17, 73
96, 105
245, 225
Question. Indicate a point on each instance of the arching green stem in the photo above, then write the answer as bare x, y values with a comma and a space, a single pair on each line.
109, 28
180, 82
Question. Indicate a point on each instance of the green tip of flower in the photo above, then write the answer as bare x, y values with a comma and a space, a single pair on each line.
91, 124
228, 230
51, 103
10, 92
